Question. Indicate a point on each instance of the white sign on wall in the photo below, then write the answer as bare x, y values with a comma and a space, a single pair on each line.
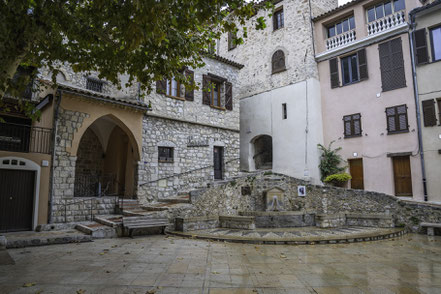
301, 191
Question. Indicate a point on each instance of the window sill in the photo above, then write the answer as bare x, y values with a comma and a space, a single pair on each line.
165, 161
175, 97
279, 70
218, 107
353, 136
352, 83
400, 87
398, 132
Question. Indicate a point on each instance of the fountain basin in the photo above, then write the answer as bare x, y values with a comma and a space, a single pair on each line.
281, 219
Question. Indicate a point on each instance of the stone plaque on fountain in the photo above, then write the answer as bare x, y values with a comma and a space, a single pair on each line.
274, 199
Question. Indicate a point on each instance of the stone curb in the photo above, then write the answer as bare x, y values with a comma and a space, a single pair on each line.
299, 241
21, 243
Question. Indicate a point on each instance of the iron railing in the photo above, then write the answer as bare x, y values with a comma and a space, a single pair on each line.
88, 185
23, 138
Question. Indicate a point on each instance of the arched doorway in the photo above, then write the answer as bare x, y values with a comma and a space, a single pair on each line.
106, 162
263, 152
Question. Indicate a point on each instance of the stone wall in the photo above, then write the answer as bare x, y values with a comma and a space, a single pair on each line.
227, 199
192, 166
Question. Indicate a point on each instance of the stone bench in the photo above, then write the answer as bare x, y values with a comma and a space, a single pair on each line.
130, 224
370, 220
237, 222
330, 220
430, 227
281, 219
196, 223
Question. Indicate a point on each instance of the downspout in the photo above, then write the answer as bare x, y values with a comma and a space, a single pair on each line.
417, 102
54, 137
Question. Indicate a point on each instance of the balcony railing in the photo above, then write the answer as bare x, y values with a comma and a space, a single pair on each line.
340, 40
23, 138
386, 23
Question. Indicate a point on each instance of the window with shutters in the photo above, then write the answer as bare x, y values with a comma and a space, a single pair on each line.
278, 62
94, 85
429, 112
435, 40
421, 55
349, 69
278, 21
231, 40
396, 118
384, 9
341, 26
174, 89
392, 65
217, 92
165, 154
352, 125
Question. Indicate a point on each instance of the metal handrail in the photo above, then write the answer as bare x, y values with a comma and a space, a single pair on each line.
25, 138
77, 202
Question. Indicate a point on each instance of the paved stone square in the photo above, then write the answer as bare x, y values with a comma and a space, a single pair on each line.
164, 264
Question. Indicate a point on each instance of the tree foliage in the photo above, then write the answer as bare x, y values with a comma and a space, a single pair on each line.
330, 161
146, 39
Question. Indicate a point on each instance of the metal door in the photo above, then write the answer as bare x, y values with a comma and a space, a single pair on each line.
16, 200
218, 156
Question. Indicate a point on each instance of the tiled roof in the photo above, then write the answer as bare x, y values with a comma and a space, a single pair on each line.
422, 8
337, 9
225, 60
125, 101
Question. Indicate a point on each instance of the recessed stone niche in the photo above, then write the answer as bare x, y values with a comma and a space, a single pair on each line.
274, 199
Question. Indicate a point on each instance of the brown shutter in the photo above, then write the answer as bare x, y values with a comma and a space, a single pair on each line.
429, 113
347, 126
392, 65
333, 65
161, 86
189, 94
362, 64
228, 96
205, 90
421, 46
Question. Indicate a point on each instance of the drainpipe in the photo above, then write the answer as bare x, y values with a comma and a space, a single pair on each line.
417, 102
54, 137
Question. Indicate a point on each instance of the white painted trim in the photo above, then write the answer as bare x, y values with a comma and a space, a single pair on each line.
28, 165
362, 43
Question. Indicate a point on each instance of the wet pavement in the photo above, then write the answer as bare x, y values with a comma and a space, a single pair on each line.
159, 264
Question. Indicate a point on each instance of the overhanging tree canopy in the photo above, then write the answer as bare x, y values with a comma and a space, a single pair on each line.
146, 39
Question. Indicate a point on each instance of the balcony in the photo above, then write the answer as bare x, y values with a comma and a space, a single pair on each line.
340, 40
25, 138
386, 23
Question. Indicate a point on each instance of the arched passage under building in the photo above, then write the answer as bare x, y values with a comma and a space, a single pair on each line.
106, 161
262, 151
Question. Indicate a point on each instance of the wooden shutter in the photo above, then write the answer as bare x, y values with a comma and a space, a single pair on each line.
362, 64
347, 125
392, 65
205, 90
228, 96
429, 113
421, 46
189, 93
333, 65
161, 86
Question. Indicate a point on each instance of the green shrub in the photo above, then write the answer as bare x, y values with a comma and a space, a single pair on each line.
330, 161
338, 179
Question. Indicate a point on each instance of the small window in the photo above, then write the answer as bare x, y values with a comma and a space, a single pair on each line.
165, 154
439, 110
396, 117
216, 94
278, 61
278, 19
94, 85
231, 40
435, 38
341, 26
352, 125
349, 69
173, 88
284, 111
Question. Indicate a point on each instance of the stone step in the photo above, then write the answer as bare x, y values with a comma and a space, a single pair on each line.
109, 220
31, 238
97, 230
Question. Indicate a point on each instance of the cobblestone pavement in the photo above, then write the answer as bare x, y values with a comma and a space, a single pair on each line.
160, 264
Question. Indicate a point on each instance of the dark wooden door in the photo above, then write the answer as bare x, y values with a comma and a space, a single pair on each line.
218, 156
356, 170
402, 176
16, 200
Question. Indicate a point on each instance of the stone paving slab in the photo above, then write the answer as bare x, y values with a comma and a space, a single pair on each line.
165, 264
31, 238
295, 236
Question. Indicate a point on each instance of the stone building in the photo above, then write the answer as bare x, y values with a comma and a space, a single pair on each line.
281, 121
426, 31
368, 103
